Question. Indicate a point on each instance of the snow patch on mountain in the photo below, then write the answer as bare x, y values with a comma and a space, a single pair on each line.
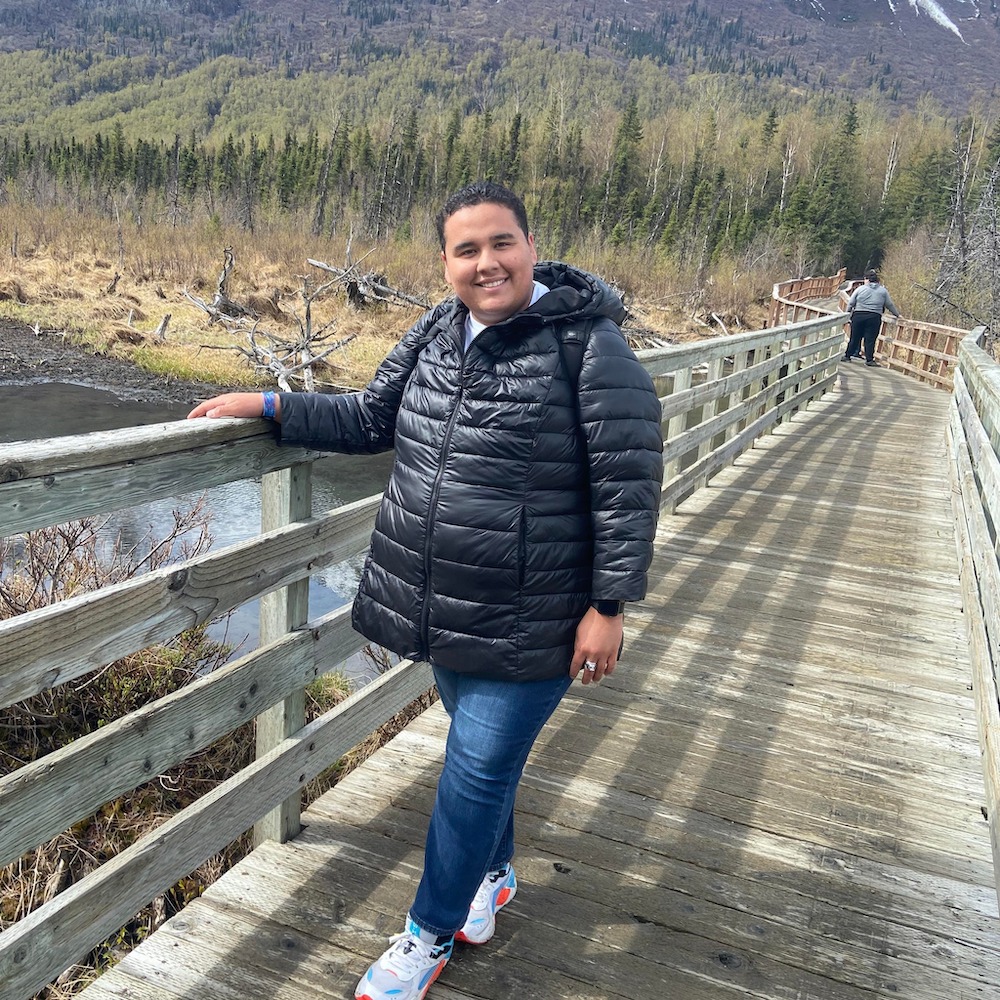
934, 11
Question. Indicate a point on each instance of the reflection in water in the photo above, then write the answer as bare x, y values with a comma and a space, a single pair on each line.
51, 409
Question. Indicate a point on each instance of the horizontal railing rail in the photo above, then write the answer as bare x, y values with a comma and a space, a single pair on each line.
795, 300
974, 441
718, 396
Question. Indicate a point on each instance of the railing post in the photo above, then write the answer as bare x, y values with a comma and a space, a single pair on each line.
757, 387
286, 496
741, 360
677, 425
716, 368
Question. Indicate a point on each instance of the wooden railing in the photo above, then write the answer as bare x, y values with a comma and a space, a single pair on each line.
795, 299
974, 443
927, 352
718, 397
722, 394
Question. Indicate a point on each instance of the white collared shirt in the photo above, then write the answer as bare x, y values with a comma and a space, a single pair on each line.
473, 328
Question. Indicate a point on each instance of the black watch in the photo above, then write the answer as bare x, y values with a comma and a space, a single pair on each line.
611, 609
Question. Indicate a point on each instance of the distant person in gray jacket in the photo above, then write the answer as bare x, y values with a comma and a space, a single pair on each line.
866, 306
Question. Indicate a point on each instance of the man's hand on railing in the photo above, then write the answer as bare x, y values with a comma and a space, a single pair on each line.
237, 404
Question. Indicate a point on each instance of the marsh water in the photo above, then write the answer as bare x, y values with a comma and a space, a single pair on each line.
53, 409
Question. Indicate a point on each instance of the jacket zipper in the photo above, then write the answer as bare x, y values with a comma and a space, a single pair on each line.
432, 510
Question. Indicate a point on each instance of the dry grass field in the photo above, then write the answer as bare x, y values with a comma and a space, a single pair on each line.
109, 288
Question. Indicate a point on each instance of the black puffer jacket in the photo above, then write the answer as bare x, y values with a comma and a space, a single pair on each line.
501, 520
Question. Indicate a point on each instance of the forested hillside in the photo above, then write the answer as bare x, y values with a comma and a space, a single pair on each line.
675, 129
950, 48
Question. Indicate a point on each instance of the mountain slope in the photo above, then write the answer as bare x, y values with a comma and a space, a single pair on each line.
904, 49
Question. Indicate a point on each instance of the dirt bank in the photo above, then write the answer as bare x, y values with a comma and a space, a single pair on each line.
47, 357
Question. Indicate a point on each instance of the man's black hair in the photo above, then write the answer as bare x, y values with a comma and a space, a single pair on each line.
871, 275
481, 193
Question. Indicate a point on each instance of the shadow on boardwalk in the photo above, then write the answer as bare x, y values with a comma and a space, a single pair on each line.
776, 795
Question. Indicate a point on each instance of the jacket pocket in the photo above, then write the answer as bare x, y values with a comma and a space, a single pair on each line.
522, 553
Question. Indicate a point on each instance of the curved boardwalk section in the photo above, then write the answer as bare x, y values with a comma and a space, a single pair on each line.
777, 795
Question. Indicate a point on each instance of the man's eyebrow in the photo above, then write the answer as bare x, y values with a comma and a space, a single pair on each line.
458, 247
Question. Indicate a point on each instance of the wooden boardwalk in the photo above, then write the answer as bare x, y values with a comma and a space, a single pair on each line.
777, 795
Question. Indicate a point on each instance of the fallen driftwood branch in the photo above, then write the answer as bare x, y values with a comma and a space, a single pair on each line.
161, 330
284, 362
293, 358
222, 307
725, 332
371, 286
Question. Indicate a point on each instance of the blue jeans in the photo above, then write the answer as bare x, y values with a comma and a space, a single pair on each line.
493, 726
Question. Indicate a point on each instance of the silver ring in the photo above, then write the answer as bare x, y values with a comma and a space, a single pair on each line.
589, 665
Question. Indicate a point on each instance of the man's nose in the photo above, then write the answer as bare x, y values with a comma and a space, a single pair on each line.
486, 260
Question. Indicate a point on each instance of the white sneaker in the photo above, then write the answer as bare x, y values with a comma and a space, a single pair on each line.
406, 969
494, 893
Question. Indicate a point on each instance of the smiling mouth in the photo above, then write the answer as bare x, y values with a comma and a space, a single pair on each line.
496, 283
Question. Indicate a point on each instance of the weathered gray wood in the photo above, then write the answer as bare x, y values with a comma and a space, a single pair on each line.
523, 967
983, 459
286, 496
56, 456
56, 644
608, 873
712, 425
162, 460
705, 856
681, 400
46, 797
980, 577
44, 943
683, 483
674, 427
676, 357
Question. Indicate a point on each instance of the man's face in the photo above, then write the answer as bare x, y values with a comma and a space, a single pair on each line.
489, 261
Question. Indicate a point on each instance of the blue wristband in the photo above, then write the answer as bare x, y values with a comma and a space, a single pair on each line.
268, 405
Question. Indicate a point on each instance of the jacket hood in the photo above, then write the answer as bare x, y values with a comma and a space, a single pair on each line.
574, 295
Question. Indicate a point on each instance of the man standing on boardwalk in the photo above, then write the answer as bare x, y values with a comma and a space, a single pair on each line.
866, 306
518, 520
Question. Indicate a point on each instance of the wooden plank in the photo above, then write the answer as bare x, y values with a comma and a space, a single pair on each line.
286, 497
664, 360
713, 390
979, 453
825, 816
980, 583
46, 797
44, 943
708, 428
56, 644
601, 871
597, 882
355, 908
561, 805
37, 493
767, 877
71, 453
636, 957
